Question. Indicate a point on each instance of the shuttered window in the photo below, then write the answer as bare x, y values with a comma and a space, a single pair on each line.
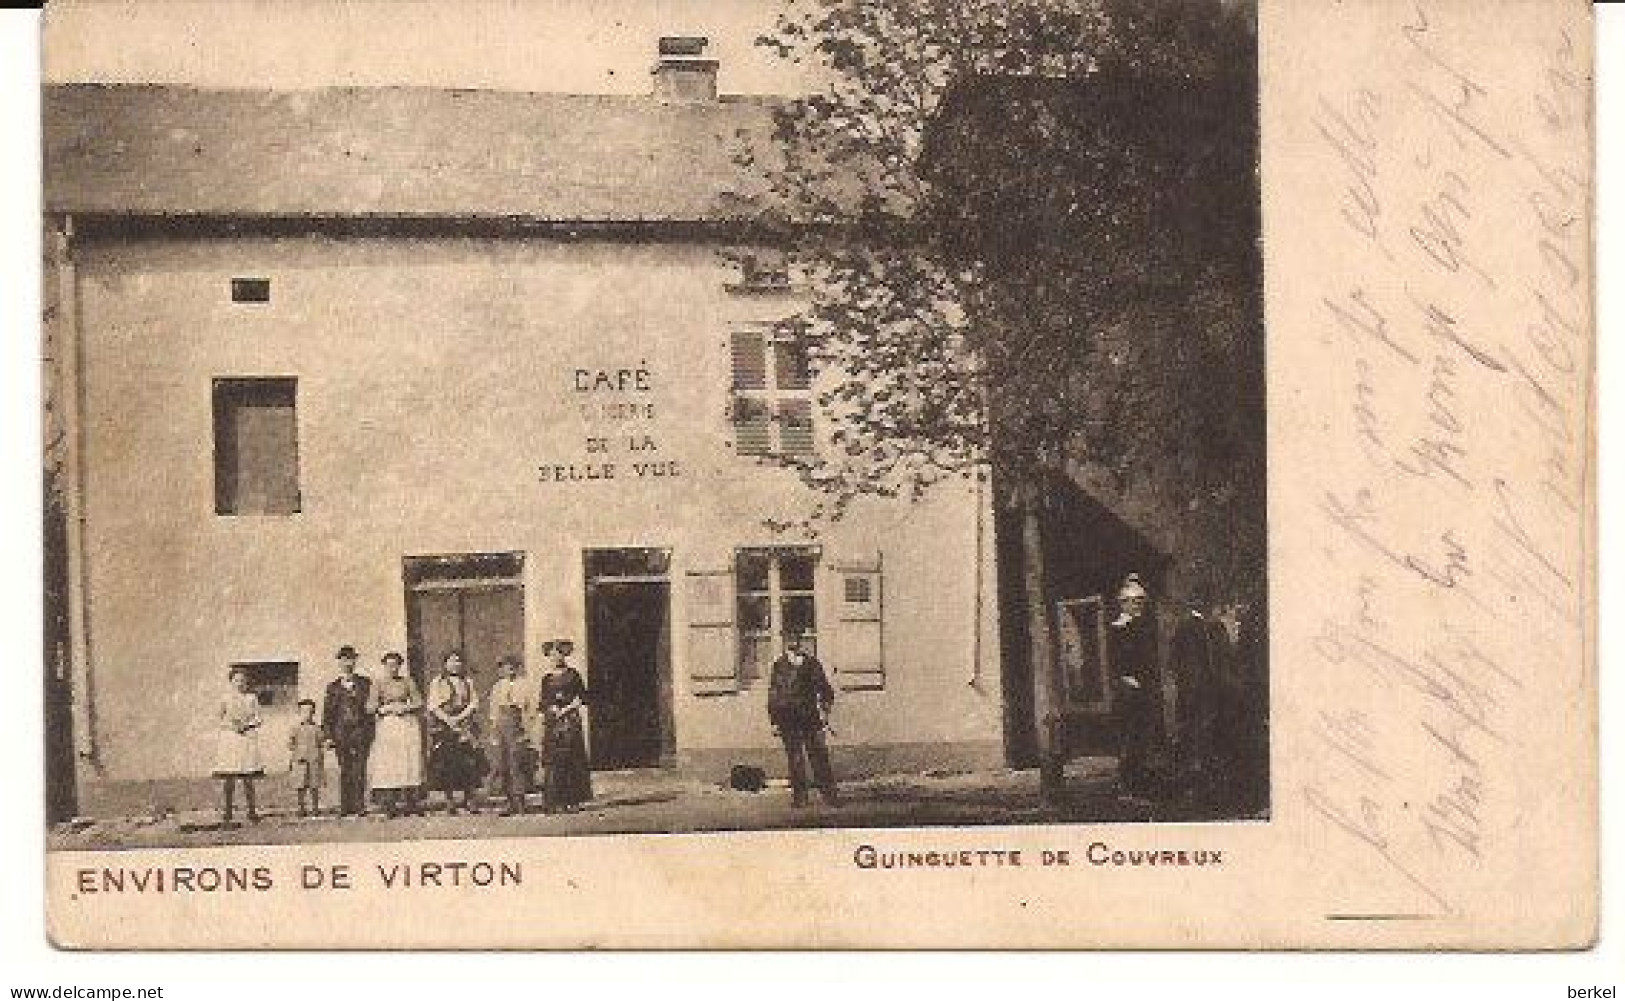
775, 596
859, 660
772, 393
712, 668
256, 447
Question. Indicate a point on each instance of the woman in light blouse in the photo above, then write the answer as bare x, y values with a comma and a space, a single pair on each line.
456, 761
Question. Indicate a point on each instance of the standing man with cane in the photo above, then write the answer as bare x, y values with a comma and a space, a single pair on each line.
799, 698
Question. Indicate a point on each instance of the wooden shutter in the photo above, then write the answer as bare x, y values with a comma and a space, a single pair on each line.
749, 348
749, 409
753, 426
861, 665
711, 665
795, 427
791, 367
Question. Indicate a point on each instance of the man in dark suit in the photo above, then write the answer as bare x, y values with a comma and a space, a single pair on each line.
1243, 721
798, 701
1132, 642
1200, 659
349, 725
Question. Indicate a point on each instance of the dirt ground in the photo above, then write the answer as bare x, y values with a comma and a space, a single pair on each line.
656, 802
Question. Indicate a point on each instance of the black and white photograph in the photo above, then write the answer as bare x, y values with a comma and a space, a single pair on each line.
813, 475
854, 418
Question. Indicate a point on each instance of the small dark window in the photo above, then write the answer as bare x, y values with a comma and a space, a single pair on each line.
758, 270
859, 590
764, 270
276, 682
251, 290
256, 446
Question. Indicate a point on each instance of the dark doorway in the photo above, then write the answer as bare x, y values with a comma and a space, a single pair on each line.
1086, 553
470, 602
629, 658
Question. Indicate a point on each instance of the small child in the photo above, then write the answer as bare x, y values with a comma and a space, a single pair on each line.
238, 753
305, 758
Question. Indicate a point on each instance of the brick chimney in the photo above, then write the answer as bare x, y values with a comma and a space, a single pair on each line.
682, 73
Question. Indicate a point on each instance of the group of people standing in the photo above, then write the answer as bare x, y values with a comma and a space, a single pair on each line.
399, 745
1217, 756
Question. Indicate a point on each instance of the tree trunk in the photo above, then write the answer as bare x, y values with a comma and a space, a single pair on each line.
1047, 698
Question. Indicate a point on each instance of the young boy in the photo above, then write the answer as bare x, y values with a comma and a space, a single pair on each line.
305, 758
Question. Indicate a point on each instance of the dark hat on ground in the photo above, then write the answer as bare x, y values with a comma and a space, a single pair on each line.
346, 652
392, 656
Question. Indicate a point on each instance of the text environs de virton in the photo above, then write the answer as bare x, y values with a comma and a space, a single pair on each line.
211, 879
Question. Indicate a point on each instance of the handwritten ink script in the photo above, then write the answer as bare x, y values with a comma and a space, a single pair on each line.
1451, 177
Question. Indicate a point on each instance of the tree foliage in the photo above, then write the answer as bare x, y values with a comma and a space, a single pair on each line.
1029, 230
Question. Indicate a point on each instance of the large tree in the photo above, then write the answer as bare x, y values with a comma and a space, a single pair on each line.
1029, 231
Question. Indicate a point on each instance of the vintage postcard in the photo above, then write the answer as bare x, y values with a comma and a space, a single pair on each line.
819, 474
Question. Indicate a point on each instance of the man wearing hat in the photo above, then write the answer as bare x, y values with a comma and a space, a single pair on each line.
798, 700
349, 726
1132, 642
1199, 656
513, 709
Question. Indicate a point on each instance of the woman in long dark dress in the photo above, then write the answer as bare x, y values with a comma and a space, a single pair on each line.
456, 760
562, 699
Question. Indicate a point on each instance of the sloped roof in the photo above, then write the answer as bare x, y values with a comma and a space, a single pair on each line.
143, 150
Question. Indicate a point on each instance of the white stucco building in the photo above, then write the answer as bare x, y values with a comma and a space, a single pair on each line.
422, 369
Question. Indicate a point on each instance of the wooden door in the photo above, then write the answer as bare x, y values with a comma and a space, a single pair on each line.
472, 603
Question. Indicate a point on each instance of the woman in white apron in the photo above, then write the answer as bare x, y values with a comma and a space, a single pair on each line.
395, 768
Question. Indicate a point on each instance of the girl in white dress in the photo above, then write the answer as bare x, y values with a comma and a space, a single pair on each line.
237, 752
